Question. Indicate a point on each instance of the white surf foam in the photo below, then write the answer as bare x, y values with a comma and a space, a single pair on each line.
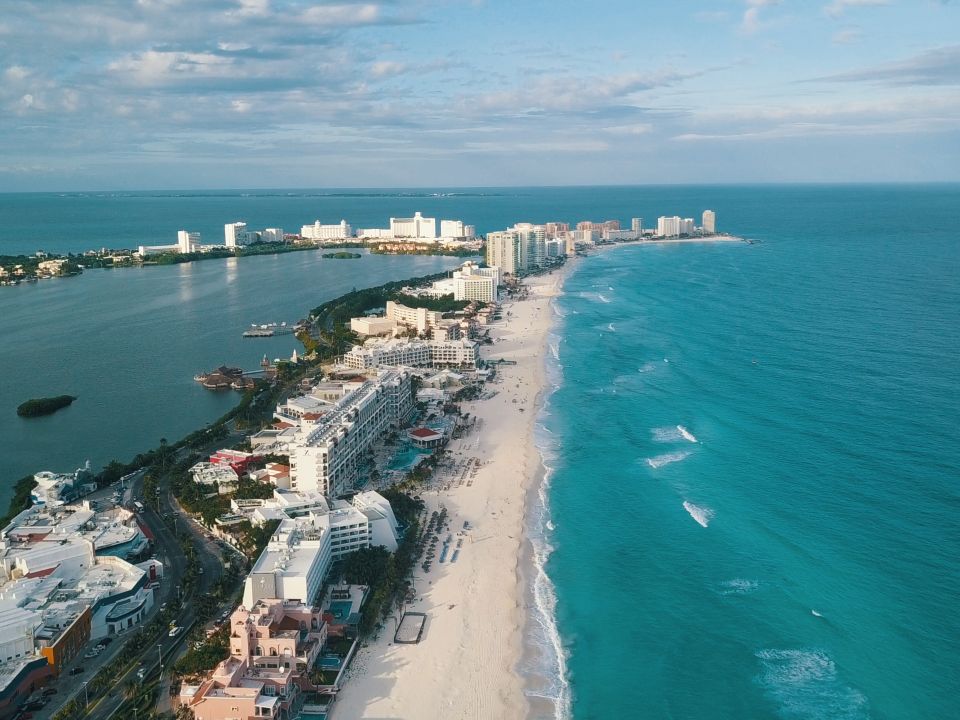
549, 676
815, 613
703, 515
601, 297
686, 434
665, 434
738, 586
667, 458
804, 683
611, 328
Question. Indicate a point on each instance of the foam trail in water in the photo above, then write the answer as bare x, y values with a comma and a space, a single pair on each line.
702, 515
816, 614
738, 586
665, 434
602, 298
667, 458
804, 684
686, 434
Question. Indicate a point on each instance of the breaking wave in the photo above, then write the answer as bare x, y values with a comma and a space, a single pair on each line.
804, 685
660, 460
702, 515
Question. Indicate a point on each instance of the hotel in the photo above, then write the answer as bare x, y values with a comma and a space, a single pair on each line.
328, 454
317, 231
413, 353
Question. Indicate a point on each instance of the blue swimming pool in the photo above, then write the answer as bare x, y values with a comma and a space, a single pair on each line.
340, 609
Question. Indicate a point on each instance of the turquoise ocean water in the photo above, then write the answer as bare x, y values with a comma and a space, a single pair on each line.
814, 572
754, 503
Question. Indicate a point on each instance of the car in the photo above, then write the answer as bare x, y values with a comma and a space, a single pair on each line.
174, 631
76, 671
49, 691
101, 647
163, 606
225, 614
141, 673
106, 641
33, 706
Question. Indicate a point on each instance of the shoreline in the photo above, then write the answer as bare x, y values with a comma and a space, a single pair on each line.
478, 613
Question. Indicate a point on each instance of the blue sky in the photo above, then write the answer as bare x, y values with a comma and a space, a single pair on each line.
287, 93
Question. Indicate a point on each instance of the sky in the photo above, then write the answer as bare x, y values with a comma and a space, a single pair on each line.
172, 94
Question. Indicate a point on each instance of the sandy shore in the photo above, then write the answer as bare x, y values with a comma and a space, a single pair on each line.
466, 664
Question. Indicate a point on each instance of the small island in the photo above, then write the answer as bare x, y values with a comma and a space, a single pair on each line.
44, 406
342, 255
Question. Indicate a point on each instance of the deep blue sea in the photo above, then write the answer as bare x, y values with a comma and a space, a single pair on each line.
793, 552
754, 502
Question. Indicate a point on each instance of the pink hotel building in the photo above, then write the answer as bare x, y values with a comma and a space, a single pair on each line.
272, 646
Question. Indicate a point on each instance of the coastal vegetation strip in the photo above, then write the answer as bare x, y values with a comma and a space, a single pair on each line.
38, 407
15, 269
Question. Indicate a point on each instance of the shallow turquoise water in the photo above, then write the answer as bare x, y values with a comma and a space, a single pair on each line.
800, 559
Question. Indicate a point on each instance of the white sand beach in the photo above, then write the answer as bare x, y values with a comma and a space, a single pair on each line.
465, 665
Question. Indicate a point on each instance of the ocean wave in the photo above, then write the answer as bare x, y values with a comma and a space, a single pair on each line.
703, 515
544, 631
666, 434
804, 684
686, 434
667, 458
550, 674
738, 586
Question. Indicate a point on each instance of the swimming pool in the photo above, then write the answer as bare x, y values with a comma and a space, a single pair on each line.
340, 609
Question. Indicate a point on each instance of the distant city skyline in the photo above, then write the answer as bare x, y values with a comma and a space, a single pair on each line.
168, 94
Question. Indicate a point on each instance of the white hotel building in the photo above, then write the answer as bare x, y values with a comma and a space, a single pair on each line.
317, 231
326, 456
412, 353
300, 552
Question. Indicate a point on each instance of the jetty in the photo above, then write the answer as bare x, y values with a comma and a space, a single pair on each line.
270, 329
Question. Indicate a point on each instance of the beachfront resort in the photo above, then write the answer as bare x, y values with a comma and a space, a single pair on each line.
439, 404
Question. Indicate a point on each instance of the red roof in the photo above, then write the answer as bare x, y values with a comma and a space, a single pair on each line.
425, 433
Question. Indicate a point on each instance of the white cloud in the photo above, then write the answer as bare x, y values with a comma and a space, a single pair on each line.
751, 22
847, 37
836, 8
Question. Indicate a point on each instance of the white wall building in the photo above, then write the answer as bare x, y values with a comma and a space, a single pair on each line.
235, 234
503, 251
417, 227
668, 226
709, 221
188, 242
457, 229
320, 232
310, 537
327, 455
272, 235
412, 353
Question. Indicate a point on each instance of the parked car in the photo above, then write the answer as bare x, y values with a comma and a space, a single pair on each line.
141, 673
174, 631
49, 691
106, 641
76, 671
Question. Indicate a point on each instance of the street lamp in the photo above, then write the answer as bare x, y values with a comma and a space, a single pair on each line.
160, 655
86, 699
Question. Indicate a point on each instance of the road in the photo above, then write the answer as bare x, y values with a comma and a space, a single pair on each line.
167, 549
